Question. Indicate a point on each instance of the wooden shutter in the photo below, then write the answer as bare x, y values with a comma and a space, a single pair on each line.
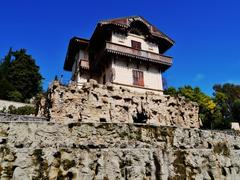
138, 78
141, 81
135, 79
136, 45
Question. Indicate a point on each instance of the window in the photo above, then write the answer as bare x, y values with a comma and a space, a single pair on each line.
138, 78
136, 45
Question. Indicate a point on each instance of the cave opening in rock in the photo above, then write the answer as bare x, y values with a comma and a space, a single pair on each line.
140, 118
70, 175
103, 120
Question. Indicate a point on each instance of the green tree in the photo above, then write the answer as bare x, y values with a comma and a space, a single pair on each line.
227, 99
236, 110
5, 85
14, 95
5, 63
172, 91
217, 112
20, 78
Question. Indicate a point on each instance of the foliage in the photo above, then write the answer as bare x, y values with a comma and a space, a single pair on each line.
236, 110
216, 112
15, 96
227, 98
37, 100
24, 110
20, 78
171, 91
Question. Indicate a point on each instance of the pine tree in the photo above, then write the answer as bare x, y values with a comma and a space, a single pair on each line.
20, 78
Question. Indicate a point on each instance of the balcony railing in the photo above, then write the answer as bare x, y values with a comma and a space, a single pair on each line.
140, 54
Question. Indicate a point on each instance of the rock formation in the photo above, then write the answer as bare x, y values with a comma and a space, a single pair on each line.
101, 132
107, 103
109, 151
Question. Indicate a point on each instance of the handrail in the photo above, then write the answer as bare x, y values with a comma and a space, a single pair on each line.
138, 53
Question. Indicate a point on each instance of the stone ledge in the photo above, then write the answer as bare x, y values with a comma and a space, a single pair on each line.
5, 117
115, 151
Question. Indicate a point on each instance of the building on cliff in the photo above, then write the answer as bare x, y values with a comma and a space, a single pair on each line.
124, 51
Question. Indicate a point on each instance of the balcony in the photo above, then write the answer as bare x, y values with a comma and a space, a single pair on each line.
84, 64
139, 54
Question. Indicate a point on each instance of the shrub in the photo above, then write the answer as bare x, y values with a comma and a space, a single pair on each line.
24, 110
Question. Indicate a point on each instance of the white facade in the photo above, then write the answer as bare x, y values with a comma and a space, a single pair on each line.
123, 75
79, 78
120, 71
126, 41
123, 72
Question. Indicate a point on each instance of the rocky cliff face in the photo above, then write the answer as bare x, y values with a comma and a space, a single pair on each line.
103, 133
103, 151
106, 103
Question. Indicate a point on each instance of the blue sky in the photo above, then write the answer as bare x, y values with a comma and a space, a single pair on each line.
206, 32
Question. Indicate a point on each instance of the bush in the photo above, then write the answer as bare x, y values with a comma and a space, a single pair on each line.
24, 110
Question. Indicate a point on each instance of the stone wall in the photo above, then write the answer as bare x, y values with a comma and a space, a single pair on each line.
5, 117
6, 104
109, 151
107, 103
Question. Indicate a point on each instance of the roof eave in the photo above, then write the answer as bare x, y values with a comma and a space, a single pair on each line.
68, 59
